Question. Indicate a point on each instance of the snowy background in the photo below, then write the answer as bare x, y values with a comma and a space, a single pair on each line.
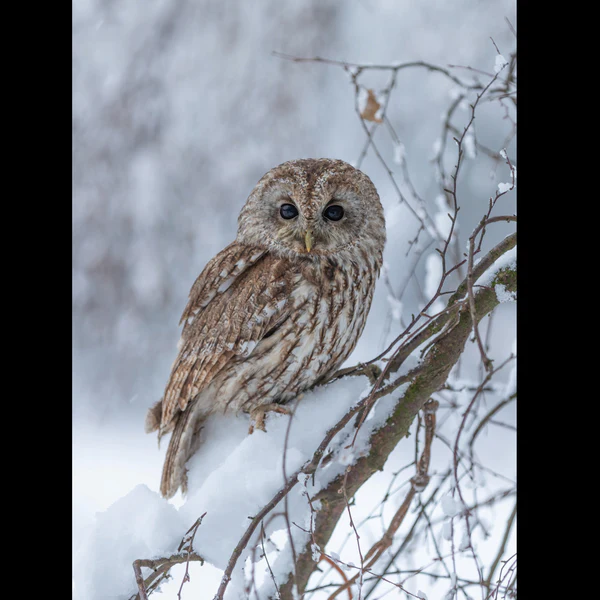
179, 107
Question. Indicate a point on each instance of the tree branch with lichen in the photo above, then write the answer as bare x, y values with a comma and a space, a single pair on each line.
427, 378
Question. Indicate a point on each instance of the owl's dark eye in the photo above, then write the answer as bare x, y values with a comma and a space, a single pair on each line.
333, 213
288, 211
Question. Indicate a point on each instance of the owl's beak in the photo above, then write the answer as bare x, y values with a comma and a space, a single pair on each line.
308, 240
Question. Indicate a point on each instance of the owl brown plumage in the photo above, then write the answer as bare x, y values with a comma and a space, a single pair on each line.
279, 309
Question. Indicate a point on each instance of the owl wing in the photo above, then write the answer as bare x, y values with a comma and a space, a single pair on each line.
241, 296
219, 273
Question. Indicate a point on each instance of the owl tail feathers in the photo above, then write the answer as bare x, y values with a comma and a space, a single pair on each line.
153, 417
183, 443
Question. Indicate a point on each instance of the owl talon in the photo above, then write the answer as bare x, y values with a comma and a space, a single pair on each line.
257, 415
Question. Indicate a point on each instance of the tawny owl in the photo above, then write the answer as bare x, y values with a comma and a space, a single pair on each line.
279, 309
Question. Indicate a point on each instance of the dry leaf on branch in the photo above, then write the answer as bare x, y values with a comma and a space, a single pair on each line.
369, 112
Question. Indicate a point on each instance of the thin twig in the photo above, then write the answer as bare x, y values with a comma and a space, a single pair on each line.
188, 540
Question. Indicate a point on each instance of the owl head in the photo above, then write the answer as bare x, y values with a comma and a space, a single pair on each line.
314, 208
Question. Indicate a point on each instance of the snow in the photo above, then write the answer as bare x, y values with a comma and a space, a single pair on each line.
450, 506
142, 524
230, 479
316, 552
507, 261
441, 218
399, 153
505, 187
469, 145
499, 63
503, 294
433, 275
346, 457
464, 540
